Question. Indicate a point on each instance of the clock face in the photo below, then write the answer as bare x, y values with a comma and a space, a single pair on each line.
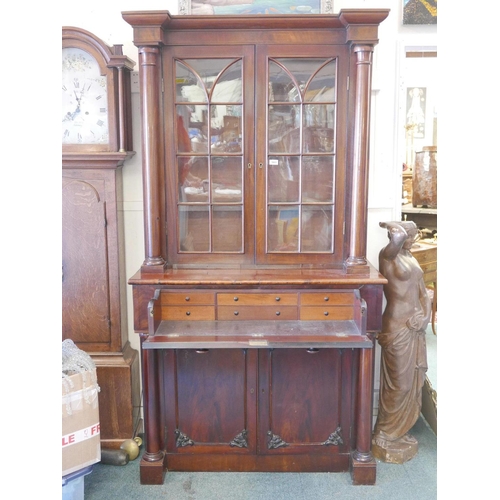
84, 99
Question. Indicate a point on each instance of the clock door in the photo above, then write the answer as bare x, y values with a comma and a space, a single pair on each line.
85, 284
209, 155
301, 175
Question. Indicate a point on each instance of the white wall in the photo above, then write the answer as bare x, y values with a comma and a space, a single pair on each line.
105, 21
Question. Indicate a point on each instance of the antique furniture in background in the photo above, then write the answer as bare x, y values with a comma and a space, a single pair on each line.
426, 255
96, 142
255, 303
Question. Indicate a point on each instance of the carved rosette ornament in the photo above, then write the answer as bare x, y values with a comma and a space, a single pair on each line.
275, 441
182, 440
240, 441
335, 438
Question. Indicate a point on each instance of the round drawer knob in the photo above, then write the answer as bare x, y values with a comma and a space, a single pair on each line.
326, 313
187, 299
278, 299
327, 299
188, 313
235, 299
236, 313
277, 313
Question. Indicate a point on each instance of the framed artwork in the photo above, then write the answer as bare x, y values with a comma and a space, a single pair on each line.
420, 11
415, 111
216, 7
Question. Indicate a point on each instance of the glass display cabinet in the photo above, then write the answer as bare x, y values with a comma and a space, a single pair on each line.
255, 303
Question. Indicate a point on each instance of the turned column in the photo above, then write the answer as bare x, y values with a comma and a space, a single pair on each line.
151, 470
360, 158
152, 157
363, 465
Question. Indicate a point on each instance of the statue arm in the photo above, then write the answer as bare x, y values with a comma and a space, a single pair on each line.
397, 236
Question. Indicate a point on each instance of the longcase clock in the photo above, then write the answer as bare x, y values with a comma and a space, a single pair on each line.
96, 142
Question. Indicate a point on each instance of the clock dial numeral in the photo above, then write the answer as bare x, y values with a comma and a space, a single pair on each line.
84, 99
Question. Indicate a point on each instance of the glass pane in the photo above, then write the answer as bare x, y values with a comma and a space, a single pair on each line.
282, 88
228, 87
322, 85
283, 228
284, 123
227, 179
303, 74
194, 228
192, 129
189, 87
193, 179
319, 128
317, 228
317, 178
201, 73
227, 228
284, 178
226, 128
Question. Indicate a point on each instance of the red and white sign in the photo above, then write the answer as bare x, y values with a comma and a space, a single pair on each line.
81, 435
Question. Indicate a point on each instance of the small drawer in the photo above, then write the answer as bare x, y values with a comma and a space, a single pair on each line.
187, 297
237, 313
326, 298
188, 313
335, 313
256, 299
425, 255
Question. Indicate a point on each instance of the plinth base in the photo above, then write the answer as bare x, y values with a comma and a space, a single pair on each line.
395, 452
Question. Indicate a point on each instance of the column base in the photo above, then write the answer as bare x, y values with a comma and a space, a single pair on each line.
152, 472
363, 473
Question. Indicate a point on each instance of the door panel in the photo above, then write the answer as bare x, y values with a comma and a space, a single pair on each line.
214, 394
209, 152
301, 403
300, 193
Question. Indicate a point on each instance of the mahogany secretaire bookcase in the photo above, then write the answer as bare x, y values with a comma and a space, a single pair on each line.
255, 303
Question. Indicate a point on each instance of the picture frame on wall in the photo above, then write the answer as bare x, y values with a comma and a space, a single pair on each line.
416, 98
216, 7
419, 12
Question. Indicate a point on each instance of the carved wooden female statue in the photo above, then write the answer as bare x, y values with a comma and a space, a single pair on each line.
404, 355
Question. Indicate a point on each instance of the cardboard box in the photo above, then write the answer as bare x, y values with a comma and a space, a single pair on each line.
81, 441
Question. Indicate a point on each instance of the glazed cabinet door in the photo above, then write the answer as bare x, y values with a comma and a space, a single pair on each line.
301, 113
305, 401
209, 117
210, 395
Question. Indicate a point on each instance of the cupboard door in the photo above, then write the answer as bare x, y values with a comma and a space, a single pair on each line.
304, 402
300, 180
209, 153
214, 393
